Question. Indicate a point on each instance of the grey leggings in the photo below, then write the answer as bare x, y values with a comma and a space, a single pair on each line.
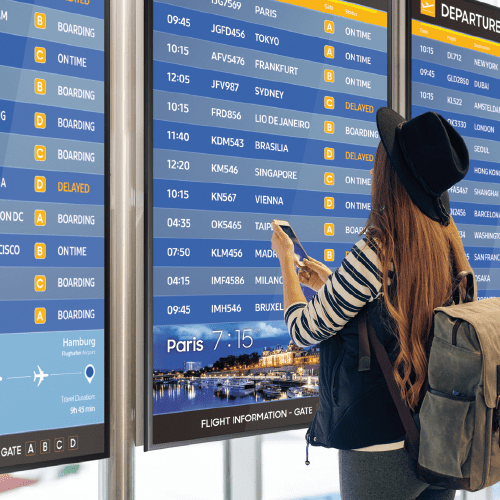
384, 475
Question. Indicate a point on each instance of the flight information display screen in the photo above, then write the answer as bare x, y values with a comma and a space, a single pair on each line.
256, 110
53, 198
455, 64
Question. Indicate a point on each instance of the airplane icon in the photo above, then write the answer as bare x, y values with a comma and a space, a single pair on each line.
40, 376
427, 8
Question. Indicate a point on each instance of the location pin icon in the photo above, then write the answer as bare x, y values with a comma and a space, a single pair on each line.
89, 373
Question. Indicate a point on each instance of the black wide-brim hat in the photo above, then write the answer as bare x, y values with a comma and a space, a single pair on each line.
428, 155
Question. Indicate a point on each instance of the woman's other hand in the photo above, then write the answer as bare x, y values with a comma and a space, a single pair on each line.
314, 275
282, 245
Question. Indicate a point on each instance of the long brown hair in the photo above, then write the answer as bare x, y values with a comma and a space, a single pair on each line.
418, 254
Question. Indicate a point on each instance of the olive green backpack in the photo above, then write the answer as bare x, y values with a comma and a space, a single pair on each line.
458, 444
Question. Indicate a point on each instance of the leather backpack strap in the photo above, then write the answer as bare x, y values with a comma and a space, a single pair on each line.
404, 413
470, 287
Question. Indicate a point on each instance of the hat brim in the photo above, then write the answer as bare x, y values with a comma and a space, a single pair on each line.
387, 123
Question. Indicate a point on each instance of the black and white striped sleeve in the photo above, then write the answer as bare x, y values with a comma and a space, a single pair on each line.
357, 281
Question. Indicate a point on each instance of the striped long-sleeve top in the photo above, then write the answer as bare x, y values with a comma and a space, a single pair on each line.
356, 282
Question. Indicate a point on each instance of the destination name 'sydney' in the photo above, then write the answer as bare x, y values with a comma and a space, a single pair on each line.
471, 18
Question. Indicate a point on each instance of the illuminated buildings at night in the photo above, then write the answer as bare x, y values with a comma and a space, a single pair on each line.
292, 355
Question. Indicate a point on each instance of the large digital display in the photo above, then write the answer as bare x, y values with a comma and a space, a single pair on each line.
256, 110
53, 224
455, 60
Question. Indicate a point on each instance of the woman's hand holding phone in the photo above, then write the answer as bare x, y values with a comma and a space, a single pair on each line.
315, 274
282, 245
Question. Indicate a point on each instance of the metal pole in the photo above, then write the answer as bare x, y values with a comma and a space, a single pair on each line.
393, 47
398, 55
103, 479
243, 469
139, 208
226, 472
123, 222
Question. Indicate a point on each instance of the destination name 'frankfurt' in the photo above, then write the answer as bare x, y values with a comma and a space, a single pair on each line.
279, 68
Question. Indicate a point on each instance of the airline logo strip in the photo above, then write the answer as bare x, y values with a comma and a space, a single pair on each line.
52, 195
261, 112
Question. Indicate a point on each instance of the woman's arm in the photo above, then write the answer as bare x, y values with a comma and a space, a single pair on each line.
292, 292
357, 282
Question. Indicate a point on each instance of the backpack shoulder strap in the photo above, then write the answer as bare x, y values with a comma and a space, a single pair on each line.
364, 344
470, 293
383, 360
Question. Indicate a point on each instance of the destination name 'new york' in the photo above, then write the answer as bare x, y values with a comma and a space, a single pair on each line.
484, 64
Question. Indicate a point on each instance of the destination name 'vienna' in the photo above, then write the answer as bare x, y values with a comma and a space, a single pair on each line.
268, 200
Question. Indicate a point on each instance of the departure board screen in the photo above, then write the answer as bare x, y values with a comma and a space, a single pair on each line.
257, 110
53, 223
455, 71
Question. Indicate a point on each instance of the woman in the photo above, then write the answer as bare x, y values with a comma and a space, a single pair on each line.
400, 271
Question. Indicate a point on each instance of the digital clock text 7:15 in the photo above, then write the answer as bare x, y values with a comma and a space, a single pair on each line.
243, 337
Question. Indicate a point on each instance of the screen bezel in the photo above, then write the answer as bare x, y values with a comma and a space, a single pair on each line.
107, 282
148, 242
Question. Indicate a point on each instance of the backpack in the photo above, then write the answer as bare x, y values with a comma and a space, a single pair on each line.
458, 443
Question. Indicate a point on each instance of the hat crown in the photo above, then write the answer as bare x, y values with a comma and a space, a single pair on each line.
428, 155
435, 151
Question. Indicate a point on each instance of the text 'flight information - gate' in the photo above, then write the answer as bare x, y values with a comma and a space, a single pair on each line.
455, 72
52, 232
261, 110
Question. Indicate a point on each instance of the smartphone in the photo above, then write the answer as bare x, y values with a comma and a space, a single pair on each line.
300, 253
